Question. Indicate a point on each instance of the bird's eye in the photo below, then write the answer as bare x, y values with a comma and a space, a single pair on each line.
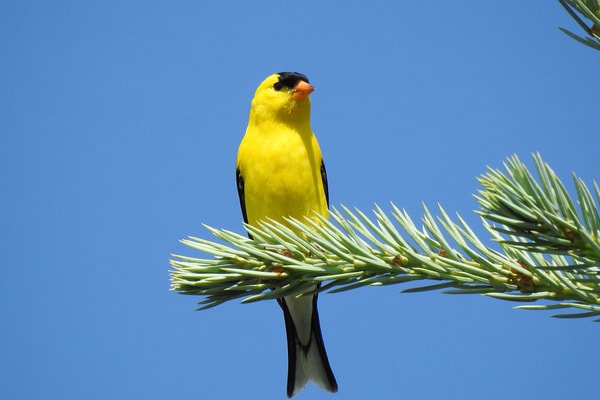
277, 86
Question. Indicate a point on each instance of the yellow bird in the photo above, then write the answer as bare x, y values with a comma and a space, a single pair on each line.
280, 173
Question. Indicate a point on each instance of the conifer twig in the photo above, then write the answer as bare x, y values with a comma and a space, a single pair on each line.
548, 248
590, 9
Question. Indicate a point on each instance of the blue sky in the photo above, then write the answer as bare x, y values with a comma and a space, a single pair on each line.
120, 125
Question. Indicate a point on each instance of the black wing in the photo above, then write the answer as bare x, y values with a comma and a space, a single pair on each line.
324, 179
240, 188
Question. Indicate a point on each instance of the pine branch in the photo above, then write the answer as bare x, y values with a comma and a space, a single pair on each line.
590, 9
547, 248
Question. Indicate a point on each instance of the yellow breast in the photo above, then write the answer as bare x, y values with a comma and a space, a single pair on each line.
281, 168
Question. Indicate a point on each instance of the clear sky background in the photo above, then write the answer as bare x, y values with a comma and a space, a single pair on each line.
120, 123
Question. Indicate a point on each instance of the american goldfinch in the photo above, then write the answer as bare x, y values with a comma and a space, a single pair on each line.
280, 174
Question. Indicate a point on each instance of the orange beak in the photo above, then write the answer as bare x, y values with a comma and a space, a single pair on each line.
302, 90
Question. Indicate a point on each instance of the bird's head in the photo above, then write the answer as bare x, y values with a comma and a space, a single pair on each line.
283, 96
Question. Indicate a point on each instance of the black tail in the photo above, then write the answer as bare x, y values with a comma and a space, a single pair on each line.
307, 358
